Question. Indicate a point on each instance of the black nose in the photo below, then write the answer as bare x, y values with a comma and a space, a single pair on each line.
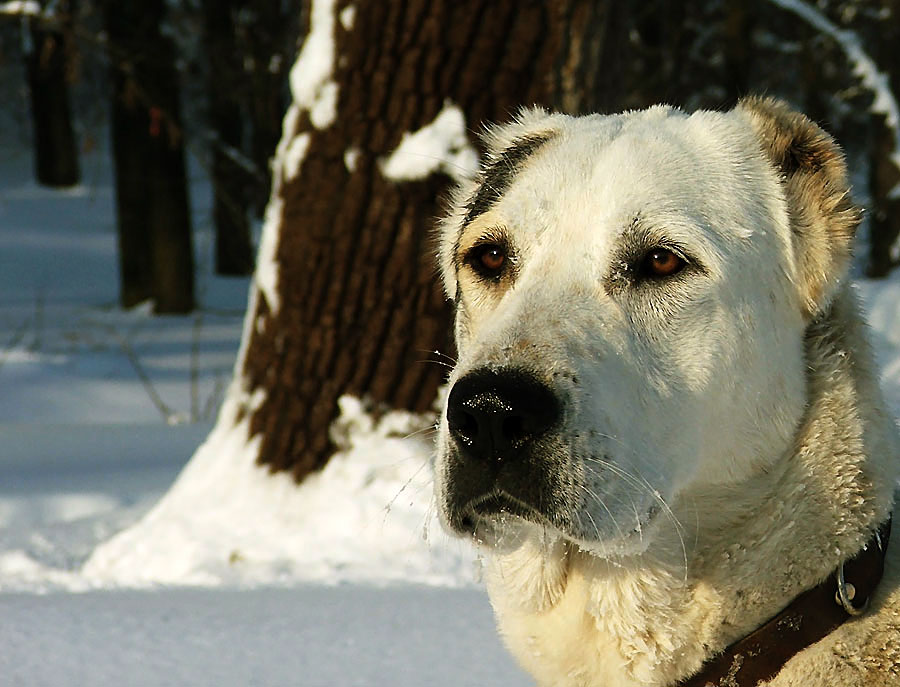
494, 414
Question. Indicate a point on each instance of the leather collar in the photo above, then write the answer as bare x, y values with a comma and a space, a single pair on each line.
811, 616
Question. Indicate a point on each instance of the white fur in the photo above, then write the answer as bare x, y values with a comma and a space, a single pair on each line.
728, 458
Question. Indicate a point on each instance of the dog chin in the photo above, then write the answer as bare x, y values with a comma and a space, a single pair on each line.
505, 532
502, 524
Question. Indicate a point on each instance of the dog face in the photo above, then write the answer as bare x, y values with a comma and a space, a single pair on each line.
631, 297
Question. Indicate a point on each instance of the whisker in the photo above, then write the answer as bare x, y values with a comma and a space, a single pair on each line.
390, 504
644, 484
593, 523
599, 500
439, 354
437, 362
432, 429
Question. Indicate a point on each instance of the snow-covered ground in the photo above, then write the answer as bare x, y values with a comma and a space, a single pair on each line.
305, 637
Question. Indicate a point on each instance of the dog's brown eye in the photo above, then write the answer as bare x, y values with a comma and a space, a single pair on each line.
488, 259
661, 262
493, 258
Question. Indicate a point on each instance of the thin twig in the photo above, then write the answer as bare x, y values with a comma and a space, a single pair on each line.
168, 413
214, 400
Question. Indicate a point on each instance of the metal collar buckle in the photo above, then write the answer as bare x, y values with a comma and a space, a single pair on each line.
846, 591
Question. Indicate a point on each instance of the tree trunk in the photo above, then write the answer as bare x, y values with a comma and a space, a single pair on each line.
357, 308
128, 129
48, 70
234, 250
267, 39
737, 31
591, 36
155, 245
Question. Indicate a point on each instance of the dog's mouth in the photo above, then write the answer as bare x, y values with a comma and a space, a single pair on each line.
494, 509
499, 520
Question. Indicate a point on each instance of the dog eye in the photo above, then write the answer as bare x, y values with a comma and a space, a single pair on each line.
488, 259
661, 262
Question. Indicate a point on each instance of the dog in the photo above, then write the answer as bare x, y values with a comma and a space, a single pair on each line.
664, 425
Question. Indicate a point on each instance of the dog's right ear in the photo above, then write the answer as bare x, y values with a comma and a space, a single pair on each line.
814, 176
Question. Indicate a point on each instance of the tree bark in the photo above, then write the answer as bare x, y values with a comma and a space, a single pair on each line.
591, 38
48, 70
155, 243
737, 30
234, 249
359, 307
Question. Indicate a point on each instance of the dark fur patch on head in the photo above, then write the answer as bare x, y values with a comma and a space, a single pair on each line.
498, 173
814, 175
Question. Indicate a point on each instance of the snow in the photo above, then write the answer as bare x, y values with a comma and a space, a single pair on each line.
309, 636
351, 157
440, 146
367, 517
265, 276
27, 8
348, 17
296, 152
312, 86
64, 488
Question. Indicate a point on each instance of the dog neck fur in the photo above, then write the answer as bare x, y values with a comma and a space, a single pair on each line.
729, 561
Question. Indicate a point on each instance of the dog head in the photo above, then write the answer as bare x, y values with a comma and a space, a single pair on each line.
631, 298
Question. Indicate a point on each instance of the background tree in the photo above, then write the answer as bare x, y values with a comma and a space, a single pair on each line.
230, 178
49, 64
267, 36
247, 49
153, 213
884, 176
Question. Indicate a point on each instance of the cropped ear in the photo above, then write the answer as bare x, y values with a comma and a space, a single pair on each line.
813, 173
528, 122
506, 148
